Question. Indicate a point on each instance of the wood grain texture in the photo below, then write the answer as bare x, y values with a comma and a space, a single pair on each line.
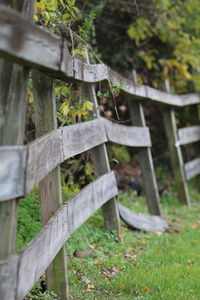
145, 157
33, 47
8, 277
12, 171
35, 258
89, 73
13, 87
44, 154
40, 49
132, 136
192, 168
142, 221
189, 135
82, 137
194, 113
100, 159
175, 153
50, 186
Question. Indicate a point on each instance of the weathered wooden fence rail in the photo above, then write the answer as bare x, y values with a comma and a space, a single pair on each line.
39, 49
24, 166
27, 165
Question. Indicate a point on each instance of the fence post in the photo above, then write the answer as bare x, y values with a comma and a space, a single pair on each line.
175, 151
13, 86
145, 157
101, 163
50, 186
195, 116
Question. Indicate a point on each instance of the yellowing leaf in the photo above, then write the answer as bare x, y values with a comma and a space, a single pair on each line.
40, 5
64, 108
89, 105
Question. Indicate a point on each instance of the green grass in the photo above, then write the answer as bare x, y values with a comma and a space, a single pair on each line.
145, 266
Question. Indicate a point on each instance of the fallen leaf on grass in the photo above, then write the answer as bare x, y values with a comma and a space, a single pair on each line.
138, 241
146, 289
132, 258
136, 293
194, 226
89, 288
158, 233
109, 272
116, 269
85, 279
132, 249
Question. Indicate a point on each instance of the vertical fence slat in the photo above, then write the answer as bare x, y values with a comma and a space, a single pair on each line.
175, 151
50, 186
13, 85
101, 163
145, 158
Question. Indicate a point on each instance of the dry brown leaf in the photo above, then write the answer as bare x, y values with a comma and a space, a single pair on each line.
89, 288
194, 226
146, 289
158, 233
138, 241
116, 269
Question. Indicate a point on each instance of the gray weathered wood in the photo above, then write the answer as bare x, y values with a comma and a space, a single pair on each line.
38, 48
145, 158
44, 154
13, 85
82, 137
189, 135
27, 44
142, 221
8, 277
50, 186
132, 136
192, 168
89, 73
175, 152
12, 169
41, 250
194, 113
101, 163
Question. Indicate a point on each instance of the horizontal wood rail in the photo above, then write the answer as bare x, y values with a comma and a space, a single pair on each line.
192, 168
31, 163
128, 135
40, 49
22, 167
33, 260
189, 135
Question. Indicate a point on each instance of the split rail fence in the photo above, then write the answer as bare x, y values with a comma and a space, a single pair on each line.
23, 46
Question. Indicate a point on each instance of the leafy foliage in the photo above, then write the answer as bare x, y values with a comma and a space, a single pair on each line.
158, 38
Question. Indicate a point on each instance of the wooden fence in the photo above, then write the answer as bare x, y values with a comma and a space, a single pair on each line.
23, 166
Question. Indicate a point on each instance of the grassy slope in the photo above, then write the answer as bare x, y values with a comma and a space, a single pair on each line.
145, 266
